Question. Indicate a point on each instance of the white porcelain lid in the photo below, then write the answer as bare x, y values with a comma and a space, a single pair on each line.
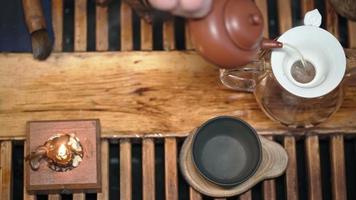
317, 46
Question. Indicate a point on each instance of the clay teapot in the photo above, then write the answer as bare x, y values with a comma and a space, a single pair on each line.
346, 8
231, 34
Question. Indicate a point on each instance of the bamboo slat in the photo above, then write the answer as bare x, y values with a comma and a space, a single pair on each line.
80, 25
125, 170
54, 197
306, 5
126, 27
332, 22
291, 172
79, 196
104, 194
102, 28
146, 35
352, 34
188, 40
338, 168
148, 169
159, 89
168, 35
246, 196
170, 168
57, 23
194, 195
284, 15
313, 167
269, 186
263, 6
26, 195
6, 170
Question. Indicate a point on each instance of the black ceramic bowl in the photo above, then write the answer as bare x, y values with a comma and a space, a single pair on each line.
226, 151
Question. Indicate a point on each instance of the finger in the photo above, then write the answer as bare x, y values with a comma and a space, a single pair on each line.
165, 5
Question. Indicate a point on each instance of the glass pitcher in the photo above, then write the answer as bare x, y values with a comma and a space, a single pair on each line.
301, 84
278, 103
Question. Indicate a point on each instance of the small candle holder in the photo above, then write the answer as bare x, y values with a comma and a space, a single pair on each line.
62, 152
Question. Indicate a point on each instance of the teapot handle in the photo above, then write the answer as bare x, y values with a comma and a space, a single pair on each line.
242, 78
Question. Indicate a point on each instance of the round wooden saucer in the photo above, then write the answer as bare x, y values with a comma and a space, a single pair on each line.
273, 164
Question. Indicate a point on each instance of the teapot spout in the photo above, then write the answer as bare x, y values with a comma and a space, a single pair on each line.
271, 44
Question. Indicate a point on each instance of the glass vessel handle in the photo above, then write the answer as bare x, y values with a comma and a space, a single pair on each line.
242, 78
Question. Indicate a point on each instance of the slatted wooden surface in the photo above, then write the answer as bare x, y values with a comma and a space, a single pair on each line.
270, 188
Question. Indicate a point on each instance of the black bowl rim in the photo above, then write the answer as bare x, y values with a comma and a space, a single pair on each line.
226, 184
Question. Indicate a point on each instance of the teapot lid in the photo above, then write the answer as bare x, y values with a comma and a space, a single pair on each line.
244, 23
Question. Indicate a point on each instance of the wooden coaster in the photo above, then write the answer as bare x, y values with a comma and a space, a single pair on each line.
273, 164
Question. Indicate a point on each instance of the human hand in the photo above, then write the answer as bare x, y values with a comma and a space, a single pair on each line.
184, 8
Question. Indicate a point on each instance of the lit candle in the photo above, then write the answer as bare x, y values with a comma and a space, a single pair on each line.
62, 152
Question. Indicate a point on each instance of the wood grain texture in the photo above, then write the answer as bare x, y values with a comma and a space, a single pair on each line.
26, 195
284, 15
291, 172
125, 170
352, 34
148, 169
338, 179
54, 197
167, 92
170, 168
79, 196
313, 167
6, 170
104, 194
102, 29
246, 196
126, 27
194, 195
188, 41
146, 35
332, 21
80, 25
263, 6
168, 35
306, 5
57, 23
269, 186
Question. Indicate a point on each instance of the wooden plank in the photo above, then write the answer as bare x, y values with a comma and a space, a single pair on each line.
54, 197
306, 5
168, 35
194, 195
79, 196
263, 6
352, 34
125, 170
146, 35
57, 23
162, 90
291, 171
170, 168
126, 27
188, 40
80, 25
104, 194
332, 22
26, 195
246, 196
102, 29
148, 169
313, 167
6, 170
269, 186
284, 15
338, 178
